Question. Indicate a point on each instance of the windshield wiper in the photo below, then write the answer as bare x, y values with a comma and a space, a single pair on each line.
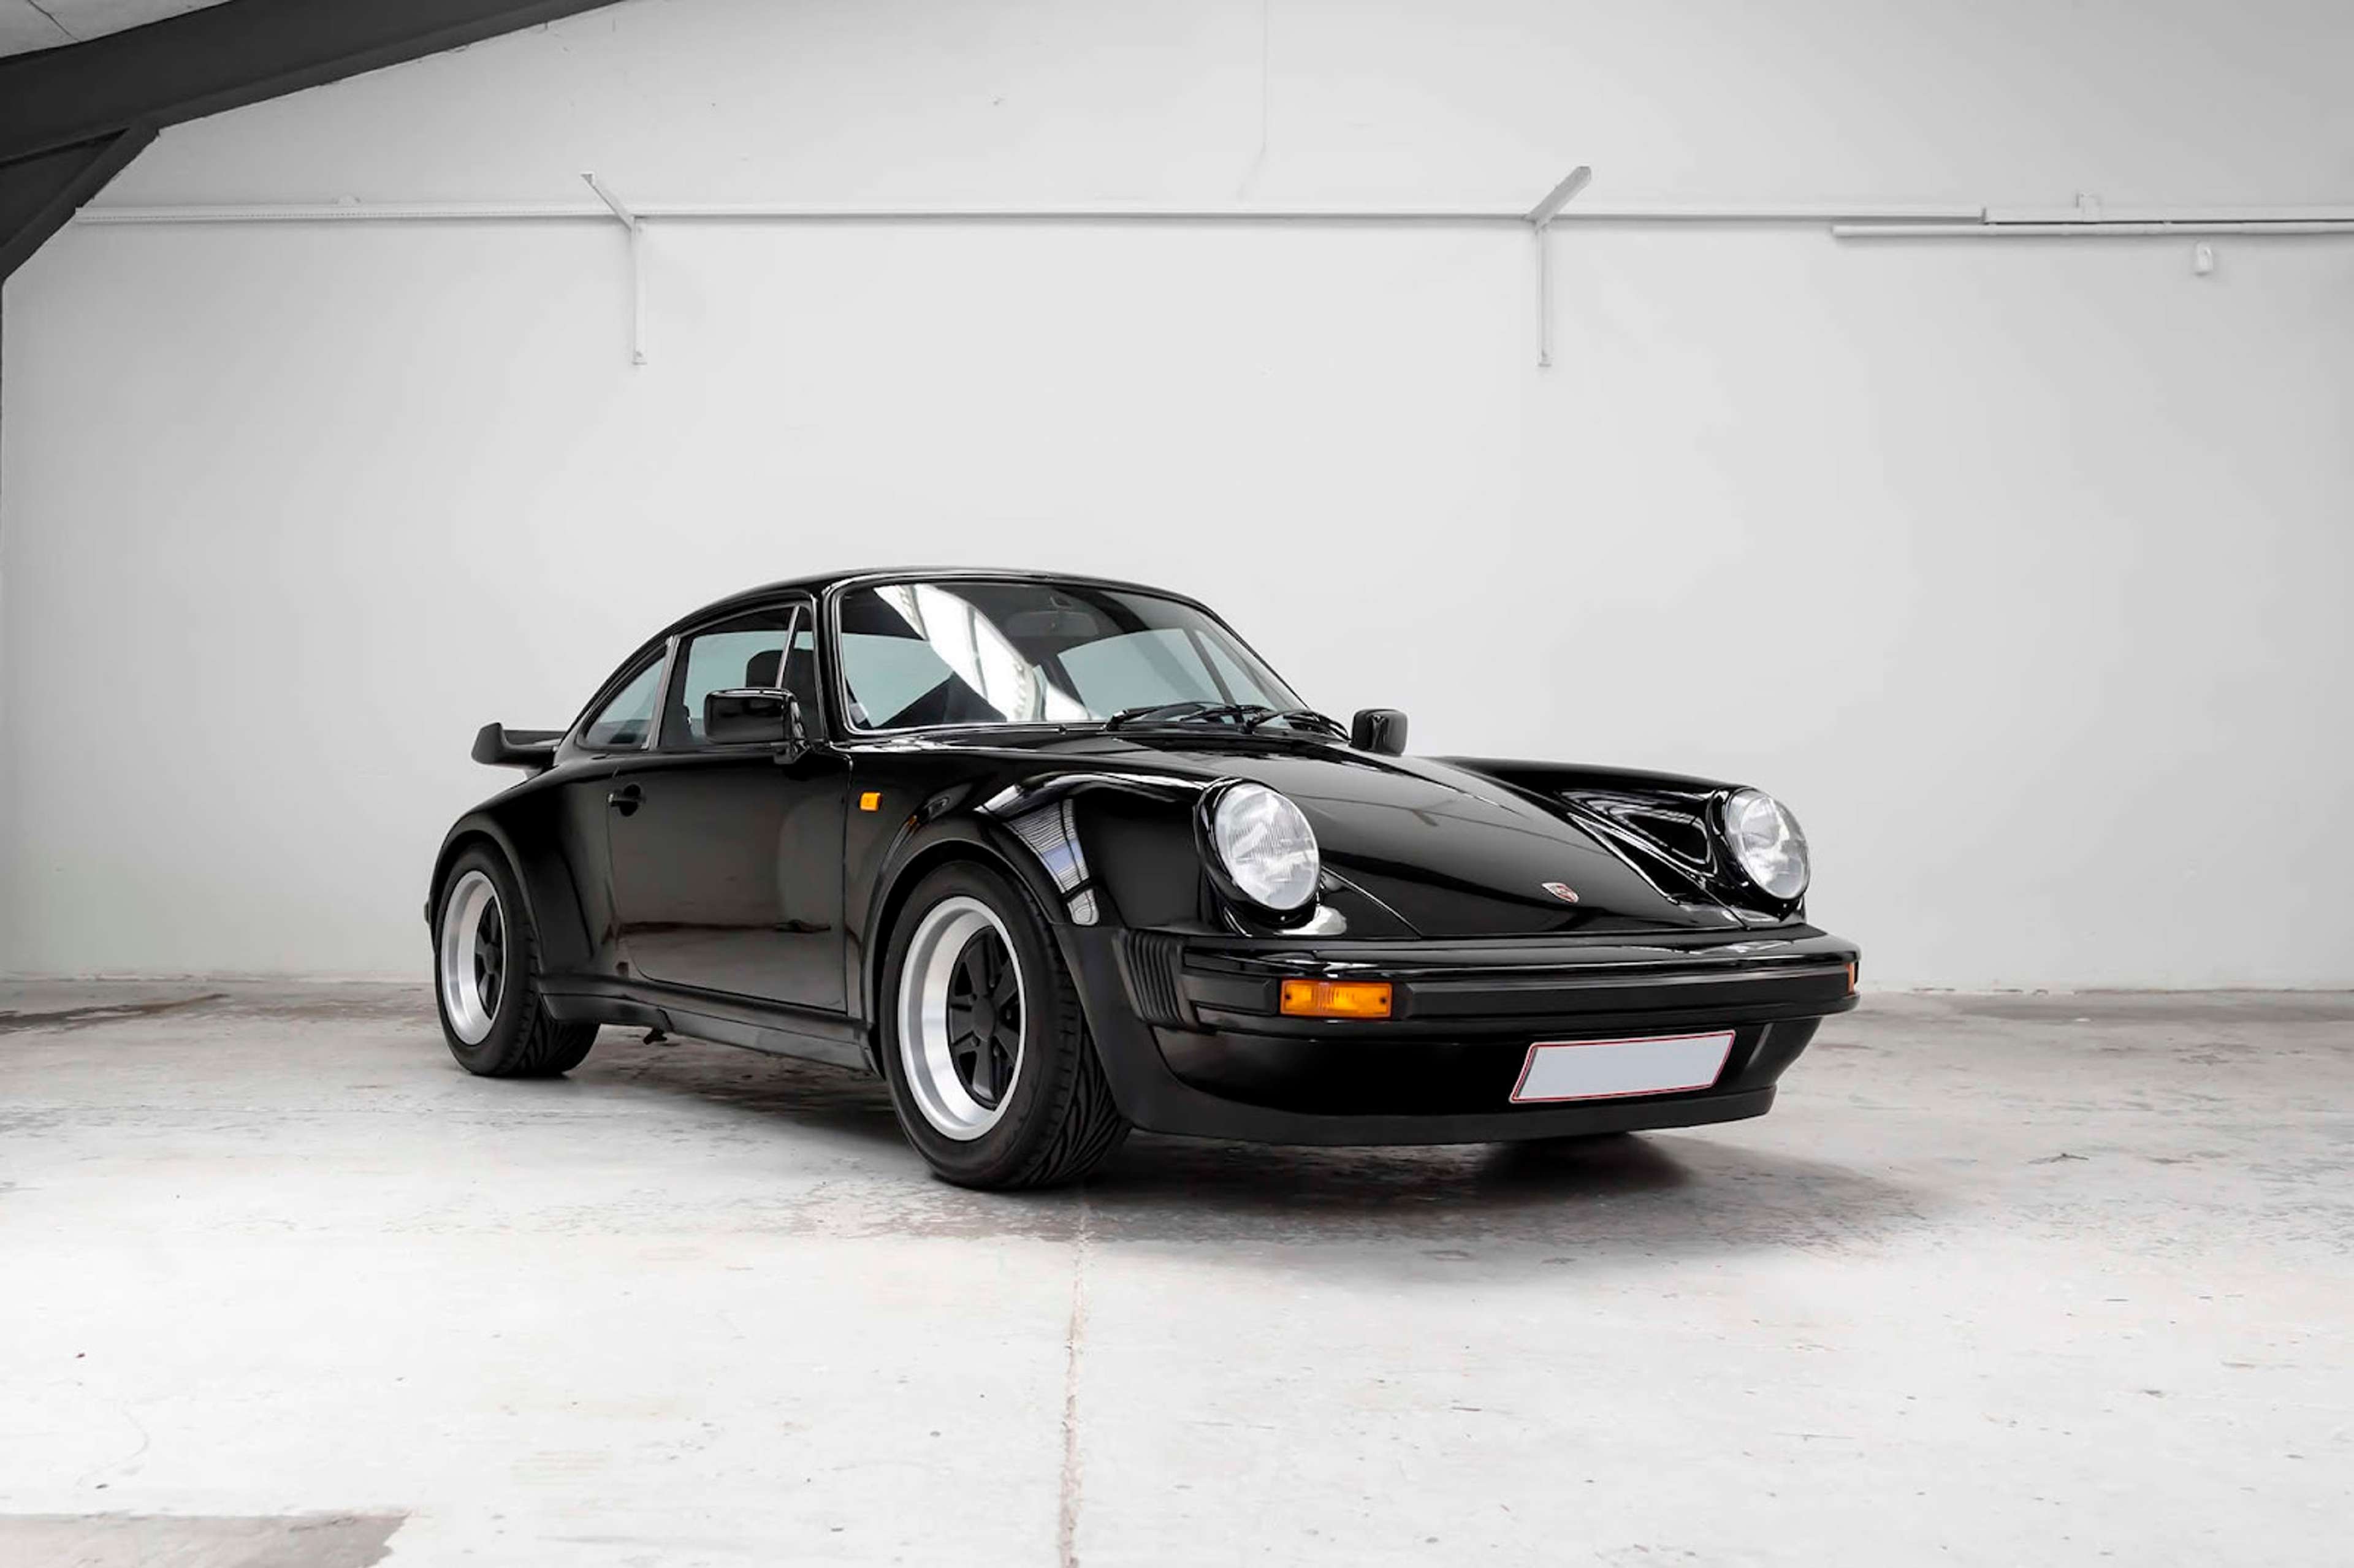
1160, 711
1249, 716
1194, 712
1298, 718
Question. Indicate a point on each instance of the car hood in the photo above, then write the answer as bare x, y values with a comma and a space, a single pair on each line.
1451, 852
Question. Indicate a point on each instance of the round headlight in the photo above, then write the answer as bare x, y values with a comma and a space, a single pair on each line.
1765, 840
1266, 847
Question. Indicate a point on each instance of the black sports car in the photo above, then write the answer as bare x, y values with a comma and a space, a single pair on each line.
1059, 858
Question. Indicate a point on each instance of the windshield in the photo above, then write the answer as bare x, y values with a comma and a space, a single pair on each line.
982, 652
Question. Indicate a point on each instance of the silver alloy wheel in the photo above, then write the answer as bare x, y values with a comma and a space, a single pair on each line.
962, 1016
473, 954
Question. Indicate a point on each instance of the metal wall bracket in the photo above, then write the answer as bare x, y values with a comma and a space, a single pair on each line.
636, 230
1540, 218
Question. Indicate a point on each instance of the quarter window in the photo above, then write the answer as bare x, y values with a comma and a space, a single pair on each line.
623, 723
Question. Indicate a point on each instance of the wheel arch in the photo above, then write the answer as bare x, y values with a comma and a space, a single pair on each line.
469, 832
906, 874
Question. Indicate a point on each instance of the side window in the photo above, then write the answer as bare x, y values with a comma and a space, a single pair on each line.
623, 723
750, 651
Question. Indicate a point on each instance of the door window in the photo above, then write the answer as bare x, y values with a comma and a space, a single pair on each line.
748, 651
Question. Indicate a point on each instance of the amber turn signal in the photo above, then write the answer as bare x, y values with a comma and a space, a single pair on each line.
1850, 979
1336, 999
871, 800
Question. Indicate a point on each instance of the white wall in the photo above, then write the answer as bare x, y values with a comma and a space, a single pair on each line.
2022, 570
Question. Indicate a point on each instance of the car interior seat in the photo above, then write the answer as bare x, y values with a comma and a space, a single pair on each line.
800, 674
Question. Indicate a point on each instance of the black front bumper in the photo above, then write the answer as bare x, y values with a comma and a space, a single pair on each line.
1193, 1040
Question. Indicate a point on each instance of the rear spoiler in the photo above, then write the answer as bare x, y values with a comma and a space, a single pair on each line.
502, 747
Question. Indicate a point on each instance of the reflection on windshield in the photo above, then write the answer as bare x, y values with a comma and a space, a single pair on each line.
976, 652
1029, 651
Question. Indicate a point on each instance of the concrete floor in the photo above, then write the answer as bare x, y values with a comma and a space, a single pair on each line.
2004, 1279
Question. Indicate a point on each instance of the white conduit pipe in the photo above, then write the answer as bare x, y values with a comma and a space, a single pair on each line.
2189, 229
507, 212
1846, 222
2105, 213
1852, 221
1843, 222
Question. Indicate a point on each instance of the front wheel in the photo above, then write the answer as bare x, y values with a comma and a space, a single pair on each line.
992, 1071
486, 979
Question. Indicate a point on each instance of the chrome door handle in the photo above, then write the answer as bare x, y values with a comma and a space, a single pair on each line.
626, 799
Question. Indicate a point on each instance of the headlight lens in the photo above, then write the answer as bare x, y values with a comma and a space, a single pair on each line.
1267, 846
1765, 840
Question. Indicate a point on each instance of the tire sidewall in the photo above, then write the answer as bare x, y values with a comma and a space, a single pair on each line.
1044, 1075
509, 1018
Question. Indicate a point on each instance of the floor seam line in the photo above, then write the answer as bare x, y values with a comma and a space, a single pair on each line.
1066, 1523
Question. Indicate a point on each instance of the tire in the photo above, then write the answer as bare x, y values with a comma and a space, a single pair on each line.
1036, 1115
479, 914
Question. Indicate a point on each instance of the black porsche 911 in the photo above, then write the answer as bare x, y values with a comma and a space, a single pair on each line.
1058, 857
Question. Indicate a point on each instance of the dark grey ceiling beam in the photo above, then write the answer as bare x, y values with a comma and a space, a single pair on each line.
71, 118
232, 54
40, 193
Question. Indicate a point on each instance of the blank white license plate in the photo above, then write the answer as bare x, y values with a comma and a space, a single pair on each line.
1614, 1069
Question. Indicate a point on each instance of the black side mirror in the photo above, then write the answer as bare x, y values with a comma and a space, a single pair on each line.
748, 716
1379, 730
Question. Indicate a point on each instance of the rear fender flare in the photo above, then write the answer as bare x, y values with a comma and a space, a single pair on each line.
552, 906
471, 829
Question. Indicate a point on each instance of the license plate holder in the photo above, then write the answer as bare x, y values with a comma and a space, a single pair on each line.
1558, 1072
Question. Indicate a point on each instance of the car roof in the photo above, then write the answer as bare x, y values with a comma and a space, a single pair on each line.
820, 583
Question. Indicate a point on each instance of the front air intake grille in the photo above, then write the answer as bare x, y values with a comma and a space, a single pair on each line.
1152, 960
1052, 836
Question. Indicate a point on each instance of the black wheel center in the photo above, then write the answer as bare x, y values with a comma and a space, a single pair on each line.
984, 1018
490, 958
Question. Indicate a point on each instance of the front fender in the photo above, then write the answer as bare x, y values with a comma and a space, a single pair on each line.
1144, 860
1666, 823
1098, 850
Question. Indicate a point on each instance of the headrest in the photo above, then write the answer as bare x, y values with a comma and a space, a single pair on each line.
760, 670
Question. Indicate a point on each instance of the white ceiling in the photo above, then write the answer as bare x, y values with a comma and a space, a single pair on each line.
46, 24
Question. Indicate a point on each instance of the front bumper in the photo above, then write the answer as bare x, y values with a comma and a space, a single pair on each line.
1192, 1040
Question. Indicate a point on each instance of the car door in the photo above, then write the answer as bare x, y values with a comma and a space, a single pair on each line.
619, 726
727, 859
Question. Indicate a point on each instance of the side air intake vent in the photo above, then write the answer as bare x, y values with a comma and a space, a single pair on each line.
1151, 959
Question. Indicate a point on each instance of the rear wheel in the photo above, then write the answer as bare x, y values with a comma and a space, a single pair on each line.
486, 979
992, 1071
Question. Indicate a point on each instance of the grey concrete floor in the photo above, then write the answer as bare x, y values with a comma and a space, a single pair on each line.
2003, 1280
